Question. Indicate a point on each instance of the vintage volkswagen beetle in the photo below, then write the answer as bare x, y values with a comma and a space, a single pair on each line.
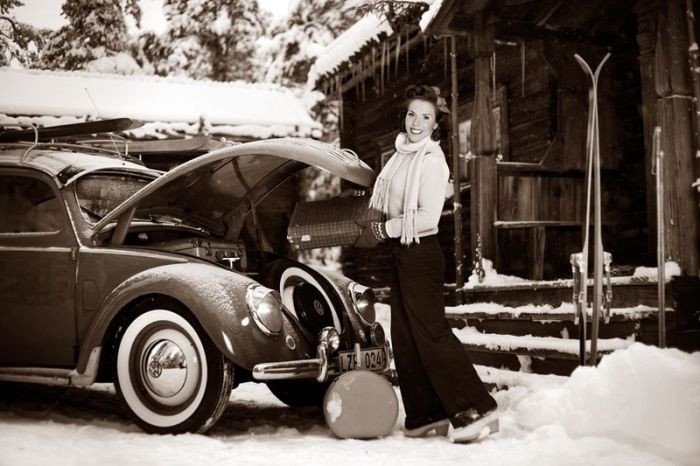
111, 271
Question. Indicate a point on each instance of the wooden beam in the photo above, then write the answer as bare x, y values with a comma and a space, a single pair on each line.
674, 110
483, 142
646, 34
457, 199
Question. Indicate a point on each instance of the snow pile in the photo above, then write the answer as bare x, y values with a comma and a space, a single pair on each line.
671, 269
492, 277
638, 407
644, 396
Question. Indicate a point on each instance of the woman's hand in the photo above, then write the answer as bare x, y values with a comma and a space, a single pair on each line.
372, 234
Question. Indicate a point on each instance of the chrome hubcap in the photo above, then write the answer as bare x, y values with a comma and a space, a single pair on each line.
165, 368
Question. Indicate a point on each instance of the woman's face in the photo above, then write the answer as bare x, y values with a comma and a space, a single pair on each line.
420, 120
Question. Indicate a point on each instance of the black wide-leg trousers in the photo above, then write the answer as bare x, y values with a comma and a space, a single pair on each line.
436, 376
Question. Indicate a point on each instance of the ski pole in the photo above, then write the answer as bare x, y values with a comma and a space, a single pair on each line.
660, 239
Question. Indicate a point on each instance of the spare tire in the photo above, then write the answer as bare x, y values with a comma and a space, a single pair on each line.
311, 307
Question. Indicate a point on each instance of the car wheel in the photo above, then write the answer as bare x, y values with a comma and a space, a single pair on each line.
298, 393
169, 374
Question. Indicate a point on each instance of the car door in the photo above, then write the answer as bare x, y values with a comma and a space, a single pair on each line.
37, 273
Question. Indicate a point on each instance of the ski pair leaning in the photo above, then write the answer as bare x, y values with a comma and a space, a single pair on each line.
601, 259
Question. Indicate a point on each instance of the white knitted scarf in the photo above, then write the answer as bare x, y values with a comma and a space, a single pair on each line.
380, 195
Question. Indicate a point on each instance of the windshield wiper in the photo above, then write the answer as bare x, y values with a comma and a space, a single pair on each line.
91, 213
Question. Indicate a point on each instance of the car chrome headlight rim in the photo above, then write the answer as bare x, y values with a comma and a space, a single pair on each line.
377, 335
329, 337
265, 307
363, 300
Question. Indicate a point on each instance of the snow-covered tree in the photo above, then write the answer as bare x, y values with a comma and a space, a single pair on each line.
19, 42
212, 39
95, 37
296, 43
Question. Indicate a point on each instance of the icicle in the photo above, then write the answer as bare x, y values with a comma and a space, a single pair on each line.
363, 74
398, 52
383, 64
339, 88
522, 66
444, 57
493, 75
374, 70
388, 61
354, 75
407, 58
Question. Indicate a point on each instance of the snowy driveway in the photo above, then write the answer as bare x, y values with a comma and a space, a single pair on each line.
639, 407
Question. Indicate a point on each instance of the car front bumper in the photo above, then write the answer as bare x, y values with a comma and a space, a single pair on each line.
322, 367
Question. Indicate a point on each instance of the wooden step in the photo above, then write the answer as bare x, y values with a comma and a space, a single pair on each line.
543, 355
627, 292
504, 378
639, 322
539, 347
544, 313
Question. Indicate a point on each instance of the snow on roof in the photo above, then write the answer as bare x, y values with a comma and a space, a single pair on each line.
430, 14
152, 99
368, 28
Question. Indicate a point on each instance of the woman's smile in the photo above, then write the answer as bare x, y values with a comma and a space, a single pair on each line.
420, 120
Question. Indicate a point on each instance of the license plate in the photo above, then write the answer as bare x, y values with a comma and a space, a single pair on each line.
371, 358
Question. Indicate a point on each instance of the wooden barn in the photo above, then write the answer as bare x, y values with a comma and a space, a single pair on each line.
517, 148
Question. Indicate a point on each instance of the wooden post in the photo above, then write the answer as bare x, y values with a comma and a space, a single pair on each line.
674, 110
483, 141
646, 34
457, 198
694, 53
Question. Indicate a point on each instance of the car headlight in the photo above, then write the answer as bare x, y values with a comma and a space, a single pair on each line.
329, 336
363, 300
265, 307
376, 334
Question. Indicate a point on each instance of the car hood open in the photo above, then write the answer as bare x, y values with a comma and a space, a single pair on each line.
206, 189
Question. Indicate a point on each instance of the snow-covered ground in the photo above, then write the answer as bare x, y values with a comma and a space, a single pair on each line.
640, 406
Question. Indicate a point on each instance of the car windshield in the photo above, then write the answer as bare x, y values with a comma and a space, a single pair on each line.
99, 194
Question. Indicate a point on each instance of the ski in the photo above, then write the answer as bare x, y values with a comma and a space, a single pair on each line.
600, 258
74, 129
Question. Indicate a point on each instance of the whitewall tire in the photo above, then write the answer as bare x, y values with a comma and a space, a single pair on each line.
169, 375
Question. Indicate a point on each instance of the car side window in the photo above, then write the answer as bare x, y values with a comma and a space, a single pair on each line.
28, 205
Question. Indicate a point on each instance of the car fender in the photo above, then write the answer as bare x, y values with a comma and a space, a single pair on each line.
216, 298
340, 283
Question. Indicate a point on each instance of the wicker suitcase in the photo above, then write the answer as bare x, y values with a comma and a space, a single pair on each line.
329, 223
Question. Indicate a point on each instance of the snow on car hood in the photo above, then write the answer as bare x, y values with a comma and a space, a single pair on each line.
208, 188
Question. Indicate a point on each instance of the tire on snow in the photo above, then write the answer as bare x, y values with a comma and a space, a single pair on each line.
168, 373
298, 393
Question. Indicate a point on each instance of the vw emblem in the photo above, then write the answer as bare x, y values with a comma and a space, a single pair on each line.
318, 307
155, 369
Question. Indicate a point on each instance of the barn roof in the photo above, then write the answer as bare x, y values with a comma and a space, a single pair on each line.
370, 29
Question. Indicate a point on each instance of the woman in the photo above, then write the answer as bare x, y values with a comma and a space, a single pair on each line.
439, 385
